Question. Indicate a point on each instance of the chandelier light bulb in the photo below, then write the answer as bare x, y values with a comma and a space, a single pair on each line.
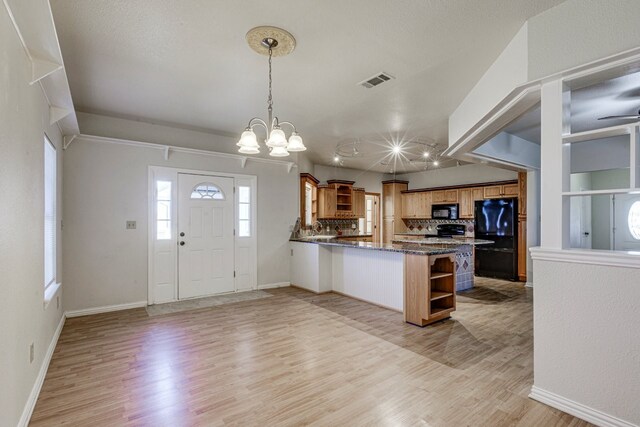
425, 154
248, 139
249, 150
336, 159
436, 163
295, 143
277, 138
279, 152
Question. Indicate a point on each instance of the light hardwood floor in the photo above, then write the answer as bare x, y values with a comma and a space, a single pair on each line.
300, 359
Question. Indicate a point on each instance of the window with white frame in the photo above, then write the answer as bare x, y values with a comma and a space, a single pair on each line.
244, 211
50, 178
163, 210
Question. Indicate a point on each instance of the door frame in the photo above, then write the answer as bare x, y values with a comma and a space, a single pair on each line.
169, 248
376, 236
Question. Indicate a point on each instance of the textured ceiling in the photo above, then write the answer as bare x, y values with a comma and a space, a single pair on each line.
612, 97
186, 63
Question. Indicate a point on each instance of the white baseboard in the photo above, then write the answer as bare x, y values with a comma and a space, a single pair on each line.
105, 309
35, 391
529, 285
577, 409
274, 285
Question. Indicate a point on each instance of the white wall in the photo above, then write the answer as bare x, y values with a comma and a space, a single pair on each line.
511, 149
580, 31
24, 119
508, 71
587, 345
370, 181
114, 127
466, 174
106, 185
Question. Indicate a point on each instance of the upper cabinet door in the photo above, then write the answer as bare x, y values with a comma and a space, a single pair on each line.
510, 190
466, 203
493, 192
358, 204
497, 191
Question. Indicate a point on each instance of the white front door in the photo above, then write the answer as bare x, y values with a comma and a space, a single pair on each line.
627, 227
205, 235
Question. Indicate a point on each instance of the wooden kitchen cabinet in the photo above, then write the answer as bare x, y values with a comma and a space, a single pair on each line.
336, 200
416, 205
429, 288
465, 197
409, 204
358, 203
326, 202
499, 191
392, 208
444, 196
308, 189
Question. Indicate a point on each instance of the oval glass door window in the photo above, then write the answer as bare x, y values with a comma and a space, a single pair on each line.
207, 190
634, 220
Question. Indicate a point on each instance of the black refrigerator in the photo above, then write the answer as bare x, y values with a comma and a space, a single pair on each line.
496, 220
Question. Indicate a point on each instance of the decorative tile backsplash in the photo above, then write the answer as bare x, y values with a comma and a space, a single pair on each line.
339, 225
424, 225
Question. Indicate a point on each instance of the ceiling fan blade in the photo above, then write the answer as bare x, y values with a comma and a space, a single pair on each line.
628, 117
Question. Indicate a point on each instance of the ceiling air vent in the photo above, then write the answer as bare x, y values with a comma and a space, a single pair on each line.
376, 80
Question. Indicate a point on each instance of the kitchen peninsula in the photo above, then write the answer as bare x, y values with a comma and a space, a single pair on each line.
465, 262
416, 279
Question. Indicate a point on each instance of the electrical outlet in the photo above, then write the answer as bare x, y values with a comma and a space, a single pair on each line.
131, 225
32, 353
291, 252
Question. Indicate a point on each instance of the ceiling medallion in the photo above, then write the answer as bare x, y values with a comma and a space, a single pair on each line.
270, 41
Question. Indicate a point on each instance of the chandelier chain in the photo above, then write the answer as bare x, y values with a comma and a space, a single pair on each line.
270, 99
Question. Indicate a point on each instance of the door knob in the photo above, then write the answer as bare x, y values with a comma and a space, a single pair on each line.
182, 243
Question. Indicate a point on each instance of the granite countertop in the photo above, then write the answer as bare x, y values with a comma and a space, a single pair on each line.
446, 241
413, 249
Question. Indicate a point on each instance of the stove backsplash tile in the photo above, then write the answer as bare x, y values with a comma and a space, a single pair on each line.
423, 225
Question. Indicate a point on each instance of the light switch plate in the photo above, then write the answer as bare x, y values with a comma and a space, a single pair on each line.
131, 225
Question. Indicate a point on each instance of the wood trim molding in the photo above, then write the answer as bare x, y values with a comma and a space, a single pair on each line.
340, 181
586, 256
395, 181
455, 187
309, 176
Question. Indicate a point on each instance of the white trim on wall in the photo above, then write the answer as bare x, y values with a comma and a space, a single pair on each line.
274, 285
579, 410
105, 309
167, 149
587, 256
37, 386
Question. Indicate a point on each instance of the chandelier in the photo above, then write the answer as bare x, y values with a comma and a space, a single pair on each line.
270, 41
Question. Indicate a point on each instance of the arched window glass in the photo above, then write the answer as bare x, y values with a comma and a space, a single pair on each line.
207, 190
634, 220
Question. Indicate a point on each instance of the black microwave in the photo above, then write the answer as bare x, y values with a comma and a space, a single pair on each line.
444, 211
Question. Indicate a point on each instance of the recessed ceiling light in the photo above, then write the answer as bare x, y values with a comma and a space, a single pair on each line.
396, 149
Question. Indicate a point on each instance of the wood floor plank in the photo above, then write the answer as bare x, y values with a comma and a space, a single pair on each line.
298, 358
